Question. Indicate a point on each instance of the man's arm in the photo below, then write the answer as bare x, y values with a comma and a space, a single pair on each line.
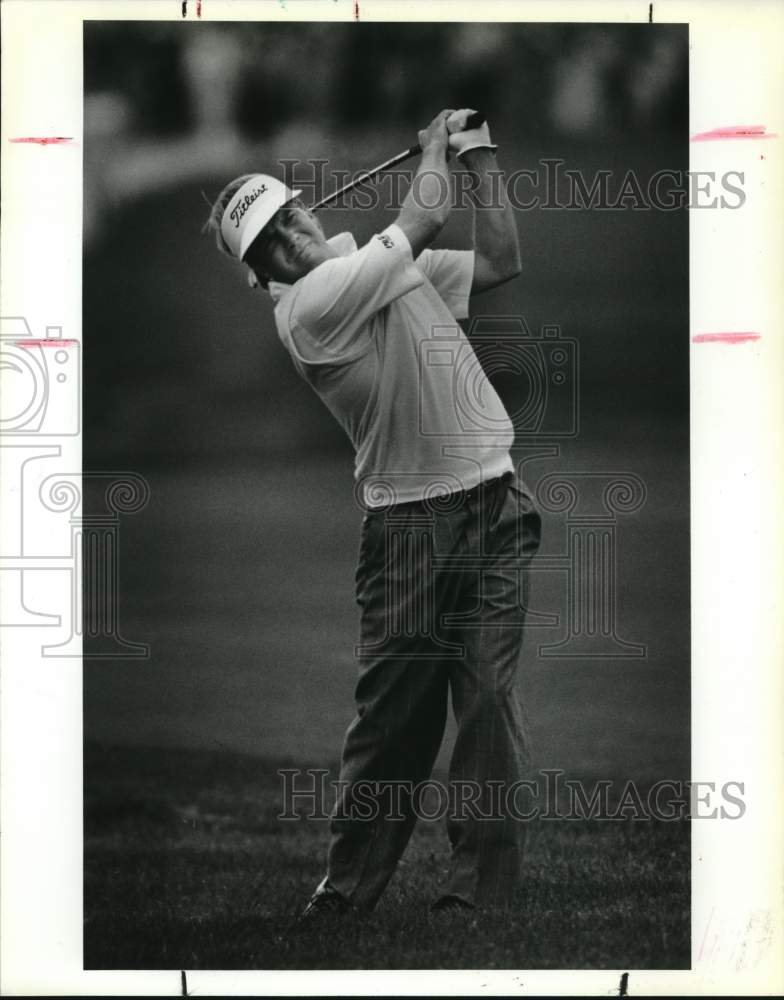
496, 247
429, 199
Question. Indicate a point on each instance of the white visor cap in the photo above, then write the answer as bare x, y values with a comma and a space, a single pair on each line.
250, 210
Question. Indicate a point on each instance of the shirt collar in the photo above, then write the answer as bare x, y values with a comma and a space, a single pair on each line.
344, 243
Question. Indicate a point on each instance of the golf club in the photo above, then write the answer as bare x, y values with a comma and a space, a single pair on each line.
473, 121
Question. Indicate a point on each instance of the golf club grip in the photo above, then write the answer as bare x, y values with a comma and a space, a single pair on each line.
473, 121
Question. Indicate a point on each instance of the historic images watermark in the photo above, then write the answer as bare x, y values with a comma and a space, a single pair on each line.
550, 185
308, 794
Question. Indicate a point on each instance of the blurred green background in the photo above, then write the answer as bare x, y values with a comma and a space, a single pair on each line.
239, 573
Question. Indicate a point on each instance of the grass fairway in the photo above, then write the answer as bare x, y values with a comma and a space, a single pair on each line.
187, 866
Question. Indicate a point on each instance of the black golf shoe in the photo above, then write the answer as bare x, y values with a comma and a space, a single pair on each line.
325, 902
451, 904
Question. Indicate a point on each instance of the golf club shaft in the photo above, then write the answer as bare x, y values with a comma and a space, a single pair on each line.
473, 121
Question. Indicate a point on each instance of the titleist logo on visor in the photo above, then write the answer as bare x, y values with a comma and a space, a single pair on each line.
242, 206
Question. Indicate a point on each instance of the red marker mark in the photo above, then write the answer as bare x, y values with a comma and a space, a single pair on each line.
46, 342
735, 132
724, 338
356, 10
43, 140
198, 8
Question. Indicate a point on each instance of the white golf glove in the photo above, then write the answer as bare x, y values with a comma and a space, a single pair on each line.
461, 140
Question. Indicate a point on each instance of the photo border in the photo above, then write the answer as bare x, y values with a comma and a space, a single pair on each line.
736, 258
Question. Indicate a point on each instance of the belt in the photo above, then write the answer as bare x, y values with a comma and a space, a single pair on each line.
484, 486
458, 496
448, 499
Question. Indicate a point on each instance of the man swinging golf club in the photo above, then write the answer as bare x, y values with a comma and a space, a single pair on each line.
448, 530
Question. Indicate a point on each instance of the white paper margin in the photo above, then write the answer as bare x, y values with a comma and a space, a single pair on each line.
737, 263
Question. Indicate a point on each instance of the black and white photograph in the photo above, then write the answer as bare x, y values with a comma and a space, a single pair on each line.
402, 622
391, 320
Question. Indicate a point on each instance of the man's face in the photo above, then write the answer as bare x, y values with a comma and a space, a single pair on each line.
291, 244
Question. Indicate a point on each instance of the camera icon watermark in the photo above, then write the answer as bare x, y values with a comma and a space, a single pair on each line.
542, 371
55, 556
41, 379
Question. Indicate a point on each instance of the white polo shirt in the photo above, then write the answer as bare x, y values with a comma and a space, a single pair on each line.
375, 333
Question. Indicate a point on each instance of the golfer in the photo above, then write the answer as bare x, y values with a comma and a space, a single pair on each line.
448, 530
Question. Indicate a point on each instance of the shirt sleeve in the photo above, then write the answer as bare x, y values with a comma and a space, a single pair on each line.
337, 298
451, 273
